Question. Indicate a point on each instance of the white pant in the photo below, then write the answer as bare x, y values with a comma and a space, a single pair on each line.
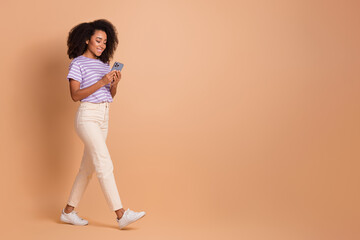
91, 124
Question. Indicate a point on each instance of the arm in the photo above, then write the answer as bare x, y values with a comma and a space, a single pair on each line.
77, 94
113, 86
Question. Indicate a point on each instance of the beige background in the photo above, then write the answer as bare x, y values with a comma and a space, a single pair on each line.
233, 119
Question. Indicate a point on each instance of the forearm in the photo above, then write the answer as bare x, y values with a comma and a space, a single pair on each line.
113, 89
85, 92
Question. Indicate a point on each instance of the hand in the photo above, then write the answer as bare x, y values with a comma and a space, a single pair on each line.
117, 78
108, 78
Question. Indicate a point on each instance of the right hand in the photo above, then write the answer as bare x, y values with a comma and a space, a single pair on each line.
108, 78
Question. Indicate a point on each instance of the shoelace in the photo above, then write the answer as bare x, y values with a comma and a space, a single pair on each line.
132, 214
74, 212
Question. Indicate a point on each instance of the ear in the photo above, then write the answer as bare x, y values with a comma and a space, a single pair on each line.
87, 41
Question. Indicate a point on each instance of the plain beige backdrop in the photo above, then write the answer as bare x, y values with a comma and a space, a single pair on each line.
233, 119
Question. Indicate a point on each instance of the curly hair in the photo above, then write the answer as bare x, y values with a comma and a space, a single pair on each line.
78, 35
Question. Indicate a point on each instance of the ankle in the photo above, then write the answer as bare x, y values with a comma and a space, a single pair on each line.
68, 209
119, 213
119, 216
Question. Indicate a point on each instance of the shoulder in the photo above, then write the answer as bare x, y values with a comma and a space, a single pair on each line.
75, 62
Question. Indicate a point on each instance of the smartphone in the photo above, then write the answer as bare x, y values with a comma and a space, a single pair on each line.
117, 66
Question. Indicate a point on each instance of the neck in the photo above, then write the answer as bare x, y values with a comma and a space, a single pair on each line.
89, 54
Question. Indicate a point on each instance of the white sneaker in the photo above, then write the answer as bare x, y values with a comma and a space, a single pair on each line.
128, 217
72, 218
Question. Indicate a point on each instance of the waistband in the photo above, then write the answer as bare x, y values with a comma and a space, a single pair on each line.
105, 104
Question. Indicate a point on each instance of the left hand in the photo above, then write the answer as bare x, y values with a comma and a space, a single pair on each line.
116, 78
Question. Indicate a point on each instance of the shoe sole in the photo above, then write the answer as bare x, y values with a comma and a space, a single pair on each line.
66, 221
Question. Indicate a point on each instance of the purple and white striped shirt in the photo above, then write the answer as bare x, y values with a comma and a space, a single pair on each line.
88, 71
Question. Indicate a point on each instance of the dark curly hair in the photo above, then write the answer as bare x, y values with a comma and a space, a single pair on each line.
78, 35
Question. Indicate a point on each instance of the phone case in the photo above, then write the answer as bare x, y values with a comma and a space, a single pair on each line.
117, 66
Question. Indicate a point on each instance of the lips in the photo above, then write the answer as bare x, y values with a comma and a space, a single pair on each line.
99, 50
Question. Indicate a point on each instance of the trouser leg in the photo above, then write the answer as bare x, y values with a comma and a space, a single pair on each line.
92, 135
82, 180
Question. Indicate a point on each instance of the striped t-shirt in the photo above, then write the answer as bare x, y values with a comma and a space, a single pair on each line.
88, 71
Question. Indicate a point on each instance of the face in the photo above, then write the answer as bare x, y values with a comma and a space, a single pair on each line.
97, 44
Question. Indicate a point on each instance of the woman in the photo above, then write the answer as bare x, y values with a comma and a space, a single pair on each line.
91, 46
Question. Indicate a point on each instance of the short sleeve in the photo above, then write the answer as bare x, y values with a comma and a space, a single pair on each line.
74, 72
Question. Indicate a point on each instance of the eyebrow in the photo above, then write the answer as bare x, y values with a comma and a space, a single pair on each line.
101, 38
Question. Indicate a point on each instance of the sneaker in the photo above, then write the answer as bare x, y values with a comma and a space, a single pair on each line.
72, 218
128, 217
